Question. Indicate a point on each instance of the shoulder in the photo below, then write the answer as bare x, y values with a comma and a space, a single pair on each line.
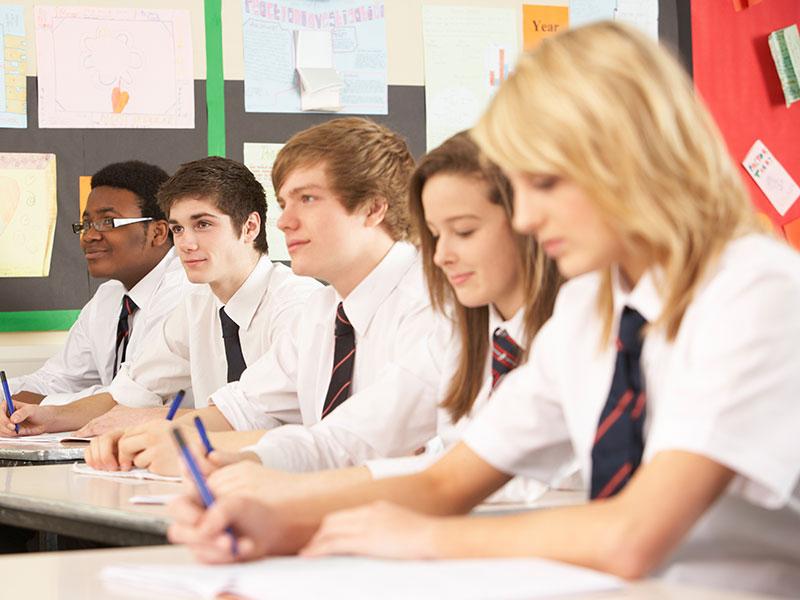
282, 279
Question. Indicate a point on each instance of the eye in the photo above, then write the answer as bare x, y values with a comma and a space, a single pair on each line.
465, 233
543, 182
176, 229
306, 198
202, 225
107, 222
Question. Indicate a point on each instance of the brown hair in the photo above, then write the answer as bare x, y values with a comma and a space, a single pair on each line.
364, 161
229, 184
460, 155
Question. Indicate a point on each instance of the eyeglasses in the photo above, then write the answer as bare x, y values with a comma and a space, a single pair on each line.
106, 224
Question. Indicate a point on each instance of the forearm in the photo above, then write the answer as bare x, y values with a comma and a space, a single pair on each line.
212, 418
77, 414
233, 441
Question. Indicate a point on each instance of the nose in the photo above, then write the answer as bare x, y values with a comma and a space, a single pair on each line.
443, 252
186, 241
90, 234
528, 213
287, 220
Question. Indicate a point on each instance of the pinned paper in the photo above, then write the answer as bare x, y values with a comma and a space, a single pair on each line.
778, 186
259, 158
539, 22
742, 4
639, 13
13, 67
784, 45
84, 189
792, 232
320, 83
583, 12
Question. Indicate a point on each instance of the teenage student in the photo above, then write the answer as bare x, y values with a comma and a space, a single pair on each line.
124, 237
343, 188
498, 288
670, 364
242, 304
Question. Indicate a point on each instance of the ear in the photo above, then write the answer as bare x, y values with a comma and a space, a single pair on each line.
159, 233
375, 211
251, 227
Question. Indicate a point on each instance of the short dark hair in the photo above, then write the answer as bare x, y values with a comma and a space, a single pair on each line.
229, 184
138, 177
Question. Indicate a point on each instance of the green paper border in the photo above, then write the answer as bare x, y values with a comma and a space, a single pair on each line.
37, 320
215, 78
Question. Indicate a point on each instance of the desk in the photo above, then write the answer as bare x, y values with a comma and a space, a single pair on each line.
72, 575
52, 498
22, 455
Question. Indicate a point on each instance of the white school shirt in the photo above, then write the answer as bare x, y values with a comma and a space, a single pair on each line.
85, 366
725, 388
390, 313
188, 350
520, 489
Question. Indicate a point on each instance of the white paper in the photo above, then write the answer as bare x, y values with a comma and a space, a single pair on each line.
778, 186
462, 45
259, 158
349, 578
141, 474
48, 439
13, 67
320, 84
153, 499
640, 13
583, 12
114, 67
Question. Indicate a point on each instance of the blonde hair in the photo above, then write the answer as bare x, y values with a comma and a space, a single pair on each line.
459, 155
365, 161
605, 107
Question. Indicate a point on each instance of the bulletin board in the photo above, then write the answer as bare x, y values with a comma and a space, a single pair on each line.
221, 127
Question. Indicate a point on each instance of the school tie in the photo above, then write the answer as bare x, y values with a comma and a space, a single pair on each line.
619, 441
233, 347
344, 357
123, 330
505, 354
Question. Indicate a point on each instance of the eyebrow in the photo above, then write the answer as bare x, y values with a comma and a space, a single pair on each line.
105, 209
305, 188
459, 217
196, 217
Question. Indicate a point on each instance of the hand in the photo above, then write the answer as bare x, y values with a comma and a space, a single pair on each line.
379, 529
260, 529
27, 398
31, 418
151, 446
248, 477
102, 452
120, 417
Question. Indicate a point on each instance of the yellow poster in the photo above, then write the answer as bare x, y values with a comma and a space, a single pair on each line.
27, 213
539, 22
84, 187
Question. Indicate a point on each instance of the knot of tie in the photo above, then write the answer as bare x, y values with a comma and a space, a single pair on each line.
343, 325
229, 327
630, 339
128, 307
505, 354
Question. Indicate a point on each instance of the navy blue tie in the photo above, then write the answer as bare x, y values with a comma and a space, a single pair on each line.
505, 355
123, 330
233, 346
619, 442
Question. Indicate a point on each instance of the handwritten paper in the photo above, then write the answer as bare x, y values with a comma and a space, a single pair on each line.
114, 67
583, 12
27, 213
539, 22
639, 13
365, 578
259, 158
784, 45
778, 186
358, 34
13, 67
139, 474
469, 52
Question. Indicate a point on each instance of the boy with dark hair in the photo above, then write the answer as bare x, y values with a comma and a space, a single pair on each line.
146, 283
242, 304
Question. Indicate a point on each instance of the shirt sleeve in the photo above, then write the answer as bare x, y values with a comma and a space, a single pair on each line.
522, 430
160, 368
735, 400
73, 368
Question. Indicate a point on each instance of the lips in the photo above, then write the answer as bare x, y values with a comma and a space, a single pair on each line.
94, 253
459, 278
295, 244
553, 247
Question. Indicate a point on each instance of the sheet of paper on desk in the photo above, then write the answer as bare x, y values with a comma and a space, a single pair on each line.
297, 578
48, 439
142, 474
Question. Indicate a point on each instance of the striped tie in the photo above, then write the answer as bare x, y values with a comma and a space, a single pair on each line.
344, 357
619, 441
123, 330
505, 355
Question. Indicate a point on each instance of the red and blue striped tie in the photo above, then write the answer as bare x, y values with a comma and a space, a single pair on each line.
619, 441
344, 358
123, 330
505, 355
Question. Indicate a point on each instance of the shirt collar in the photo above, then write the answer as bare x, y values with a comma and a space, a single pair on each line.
244, 303
515, 326
363, 302
142, 293
644, 297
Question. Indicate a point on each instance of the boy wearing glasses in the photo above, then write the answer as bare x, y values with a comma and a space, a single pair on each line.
125, 238
241, 304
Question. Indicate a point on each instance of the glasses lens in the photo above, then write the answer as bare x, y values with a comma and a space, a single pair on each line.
77, 228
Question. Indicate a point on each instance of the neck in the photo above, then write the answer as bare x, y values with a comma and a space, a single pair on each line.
130, 280
355, 273
225, 288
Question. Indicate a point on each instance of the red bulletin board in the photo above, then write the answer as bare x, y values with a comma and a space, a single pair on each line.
735, 74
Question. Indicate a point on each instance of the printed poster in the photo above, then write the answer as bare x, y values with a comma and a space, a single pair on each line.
13, 67
259, 158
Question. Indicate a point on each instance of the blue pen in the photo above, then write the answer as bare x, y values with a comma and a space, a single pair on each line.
205, 494
198, 422
7, 394
176, 404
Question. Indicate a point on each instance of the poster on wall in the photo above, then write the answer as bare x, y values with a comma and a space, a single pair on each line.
27, 213
259, 158
114, 67
13, 67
